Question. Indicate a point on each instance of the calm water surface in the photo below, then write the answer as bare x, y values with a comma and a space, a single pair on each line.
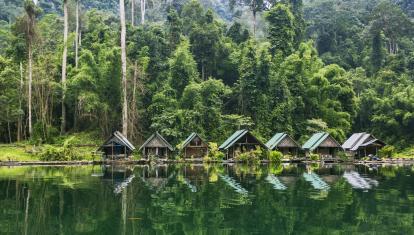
207, 199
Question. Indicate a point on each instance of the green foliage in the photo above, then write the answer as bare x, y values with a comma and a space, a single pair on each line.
275, 156
387, 152
314, 157
334, 66
183, 69
343, 156
214, 152
68, 152
281, 29
251, 156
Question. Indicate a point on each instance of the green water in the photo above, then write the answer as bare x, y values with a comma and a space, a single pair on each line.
207, 199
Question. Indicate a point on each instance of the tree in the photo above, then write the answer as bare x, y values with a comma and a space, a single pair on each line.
237, 33
124, 70
391, 20
77, 35
377, 55
143, 9
64, 58
183, 68
174, 28
281, 29
255, 7
30, 34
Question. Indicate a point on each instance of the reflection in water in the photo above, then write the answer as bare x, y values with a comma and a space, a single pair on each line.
206, 199
316, 181
233, 183
190, 186
359, 182
122, 185
272, 179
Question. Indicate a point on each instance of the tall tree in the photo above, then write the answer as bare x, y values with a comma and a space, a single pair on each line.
377, 55
392, 21
143, 9
30, 33
183, 68
281, 29
255, 6
77, 34
64, 61
132, 12
124, 69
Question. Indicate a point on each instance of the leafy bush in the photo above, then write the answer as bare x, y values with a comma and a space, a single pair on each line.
314, 157
275, 156
250, 156
214, 152
43, 133
67, 152
387, 151
342, 155
207, 159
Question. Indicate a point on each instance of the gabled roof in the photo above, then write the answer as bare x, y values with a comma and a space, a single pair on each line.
119, 139
316, 140
235, 137
190, 138
360, 140
277, 138
157, 135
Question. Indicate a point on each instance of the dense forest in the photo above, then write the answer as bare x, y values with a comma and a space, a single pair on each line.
213, 66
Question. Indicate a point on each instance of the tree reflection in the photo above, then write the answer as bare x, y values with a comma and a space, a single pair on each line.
214, 198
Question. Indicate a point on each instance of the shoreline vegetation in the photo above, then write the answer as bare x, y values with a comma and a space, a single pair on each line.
80, 148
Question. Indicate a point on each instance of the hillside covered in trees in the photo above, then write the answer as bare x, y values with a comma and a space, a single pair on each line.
207, 66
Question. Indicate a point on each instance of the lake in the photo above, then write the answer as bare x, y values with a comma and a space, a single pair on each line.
207, 199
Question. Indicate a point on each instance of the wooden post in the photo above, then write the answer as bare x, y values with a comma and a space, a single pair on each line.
112, 147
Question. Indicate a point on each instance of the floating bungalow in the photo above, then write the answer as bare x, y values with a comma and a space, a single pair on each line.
157, 146
283, 143
117, 146
241, 141
362, 145
194, 147
323, 144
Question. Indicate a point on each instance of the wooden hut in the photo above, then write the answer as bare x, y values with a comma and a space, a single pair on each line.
283, 143
194, 147
241, 141
117, 146
362, 145
157, 146
323, 144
